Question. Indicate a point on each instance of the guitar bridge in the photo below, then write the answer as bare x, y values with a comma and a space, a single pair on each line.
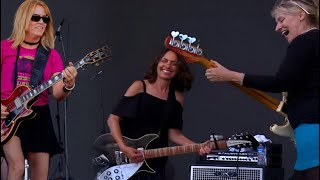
121, 158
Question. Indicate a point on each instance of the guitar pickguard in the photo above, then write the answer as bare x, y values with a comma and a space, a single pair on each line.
120, 172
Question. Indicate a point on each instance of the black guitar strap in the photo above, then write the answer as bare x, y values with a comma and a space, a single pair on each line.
38, 66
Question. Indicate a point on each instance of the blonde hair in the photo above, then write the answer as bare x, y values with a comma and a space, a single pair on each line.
21, 23
310, 7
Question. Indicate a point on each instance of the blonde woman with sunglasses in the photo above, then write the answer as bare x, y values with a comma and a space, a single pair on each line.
34, 139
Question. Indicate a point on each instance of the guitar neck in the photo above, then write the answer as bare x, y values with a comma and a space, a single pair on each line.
262, 97
42, 87
175, 150
195, 56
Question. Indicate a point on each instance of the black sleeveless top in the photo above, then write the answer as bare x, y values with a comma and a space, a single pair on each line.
145, 114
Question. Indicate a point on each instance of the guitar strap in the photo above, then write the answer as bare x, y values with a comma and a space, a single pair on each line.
39, 65
37, 68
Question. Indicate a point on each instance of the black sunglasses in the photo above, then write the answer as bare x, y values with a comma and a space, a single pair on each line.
37, 17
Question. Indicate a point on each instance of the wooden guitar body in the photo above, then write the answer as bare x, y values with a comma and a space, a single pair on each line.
17, 113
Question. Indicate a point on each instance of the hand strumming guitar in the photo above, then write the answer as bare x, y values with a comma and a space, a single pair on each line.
133, 154
4, 112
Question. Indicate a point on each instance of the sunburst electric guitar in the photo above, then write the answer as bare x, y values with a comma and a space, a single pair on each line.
183, 44
20, 101
123, 169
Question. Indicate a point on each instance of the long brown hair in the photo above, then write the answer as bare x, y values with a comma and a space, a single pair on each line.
21, 23
183, 79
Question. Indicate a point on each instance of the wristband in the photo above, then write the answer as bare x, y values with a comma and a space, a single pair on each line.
65, 89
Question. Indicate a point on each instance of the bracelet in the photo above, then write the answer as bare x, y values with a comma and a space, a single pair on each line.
65, 89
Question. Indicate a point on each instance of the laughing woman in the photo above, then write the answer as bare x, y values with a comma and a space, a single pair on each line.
299, 75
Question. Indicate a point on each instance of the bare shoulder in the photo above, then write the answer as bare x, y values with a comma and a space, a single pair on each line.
135, 88
180, 97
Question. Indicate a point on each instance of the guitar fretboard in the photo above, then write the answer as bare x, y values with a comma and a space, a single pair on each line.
170, 151
42, 87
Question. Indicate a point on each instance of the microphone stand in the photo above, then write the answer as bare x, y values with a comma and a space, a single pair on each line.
59, 35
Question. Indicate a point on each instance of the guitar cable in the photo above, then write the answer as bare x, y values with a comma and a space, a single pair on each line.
214, 139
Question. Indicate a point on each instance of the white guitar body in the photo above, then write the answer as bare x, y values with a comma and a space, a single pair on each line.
124, 169
120, 172
285, 129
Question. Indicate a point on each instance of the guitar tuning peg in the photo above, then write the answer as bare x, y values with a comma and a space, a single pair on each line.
198, 50
191, 40
174, 34
183, 37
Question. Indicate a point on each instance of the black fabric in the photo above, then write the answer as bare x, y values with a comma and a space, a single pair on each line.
39, 65
309, 174
299, 75
144, 114
37, 134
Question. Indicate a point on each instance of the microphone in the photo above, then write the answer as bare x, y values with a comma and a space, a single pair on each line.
58, 30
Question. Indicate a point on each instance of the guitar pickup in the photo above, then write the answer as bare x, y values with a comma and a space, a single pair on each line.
17, 102
121, 158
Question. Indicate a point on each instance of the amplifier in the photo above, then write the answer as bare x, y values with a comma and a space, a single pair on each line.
230, 156
215, 172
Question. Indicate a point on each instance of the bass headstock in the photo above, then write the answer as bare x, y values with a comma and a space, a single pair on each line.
248, 141
184, 45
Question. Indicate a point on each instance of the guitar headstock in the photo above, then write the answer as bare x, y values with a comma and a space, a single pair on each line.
183, 44
243, 140
103, 53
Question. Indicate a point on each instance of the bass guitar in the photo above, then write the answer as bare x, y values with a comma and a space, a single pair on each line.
124, 169
183, 44
20, 101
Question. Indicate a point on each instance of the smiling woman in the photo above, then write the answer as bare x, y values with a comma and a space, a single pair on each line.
154, 106
298, 75
294, 18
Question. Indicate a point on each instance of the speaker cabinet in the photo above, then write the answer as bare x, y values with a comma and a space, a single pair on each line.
205, 172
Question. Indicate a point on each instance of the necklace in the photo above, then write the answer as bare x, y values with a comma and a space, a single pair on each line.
31, 43
309, 30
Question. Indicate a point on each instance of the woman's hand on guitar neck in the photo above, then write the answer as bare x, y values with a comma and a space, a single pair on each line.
4, 112
133, 154
220, 74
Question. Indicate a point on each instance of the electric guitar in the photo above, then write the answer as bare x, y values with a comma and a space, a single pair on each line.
124, 169
20, 101
182, 44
